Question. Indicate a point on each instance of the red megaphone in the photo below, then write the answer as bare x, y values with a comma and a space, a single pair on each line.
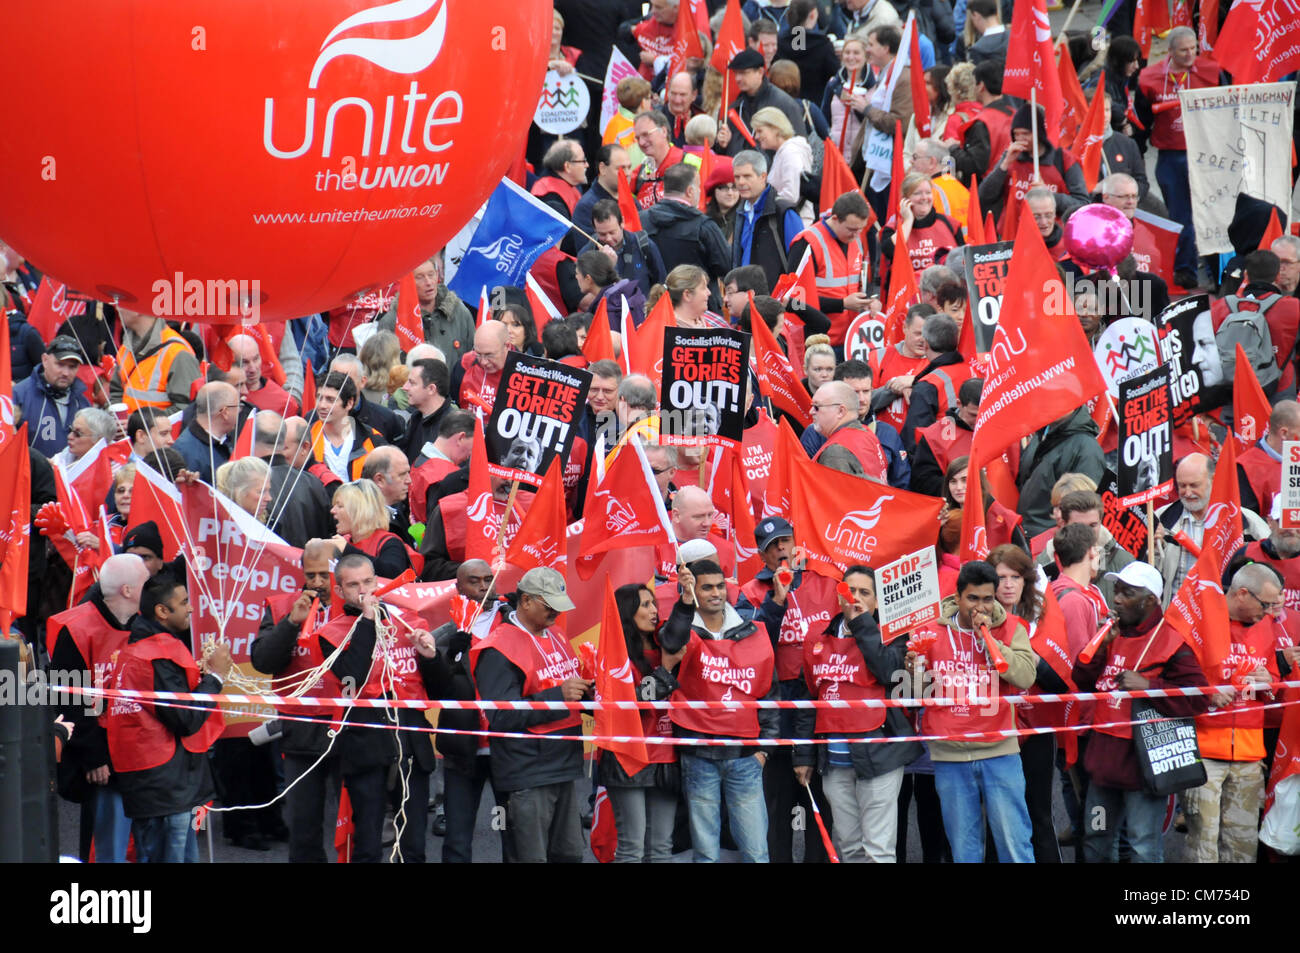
1091, 648
994, 653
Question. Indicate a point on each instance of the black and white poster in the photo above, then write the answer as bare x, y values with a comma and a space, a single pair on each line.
987, 267
1197, 379
702, 399
534, 417
1146, 437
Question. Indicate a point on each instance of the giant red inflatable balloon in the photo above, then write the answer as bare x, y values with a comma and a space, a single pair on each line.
318, 147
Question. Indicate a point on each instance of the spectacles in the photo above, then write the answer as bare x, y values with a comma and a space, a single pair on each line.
1130, 197
1267, 606
817, 407
581, 160
660, 471
75, 432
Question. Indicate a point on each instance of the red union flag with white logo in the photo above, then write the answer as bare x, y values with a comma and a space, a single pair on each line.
540, 539
1199, 610
842, 519
776, 377
623, 509
616, 680
1040, 367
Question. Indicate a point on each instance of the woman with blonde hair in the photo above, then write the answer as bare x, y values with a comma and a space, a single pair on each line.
845, 101
792, 159
929, 234
818, 363
361, 516
247, 483
964, 102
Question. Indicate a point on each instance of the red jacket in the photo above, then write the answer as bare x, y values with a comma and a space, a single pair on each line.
865, 447
1158, 85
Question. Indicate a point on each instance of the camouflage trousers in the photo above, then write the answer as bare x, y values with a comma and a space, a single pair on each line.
1223, 813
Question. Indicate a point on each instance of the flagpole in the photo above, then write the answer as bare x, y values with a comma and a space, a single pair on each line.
1151, 532
848, 107
1069, 18
1033, 119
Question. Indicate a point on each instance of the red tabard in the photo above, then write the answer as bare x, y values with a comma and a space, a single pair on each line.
1290, 570
553, 185
306, 652
723, 670
477, 385
271, 396
394, 668
998, 123
423, 477
137, 740
1159, 84
372, 543
961, 670
947, 381
1264, 475
807, 609
896, 364
1021, 179
836, 671
924, 243
1240, 736
545, 662
1124, 651
865, 446
839, 274
97, 641
1000, 524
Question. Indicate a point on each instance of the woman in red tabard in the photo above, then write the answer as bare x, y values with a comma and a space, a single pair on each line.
361, 516
929, 234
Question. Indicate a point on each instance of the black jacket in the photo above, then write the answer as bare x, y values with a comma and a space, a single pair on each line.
379, 418
1064, 446
519, 763
816, 58
25, 347
185, 780
300, 504
674, 636
450, 678
768, 247
1119, 153
362, 748
270, 654
746, 105
884, 662
421, 430
686, 236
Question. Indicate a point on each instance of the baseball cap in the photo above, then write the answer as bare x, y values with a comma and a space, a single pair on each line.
1141, 575
747, 59
548, 585
694, 549
770, 530
64, 348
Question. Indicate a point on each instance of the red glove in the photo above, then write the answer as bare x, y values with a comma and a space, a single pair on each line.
587, 660
52, 521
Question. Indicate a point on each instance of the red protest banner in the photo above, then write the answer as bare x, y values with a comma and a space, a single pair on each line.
703, 392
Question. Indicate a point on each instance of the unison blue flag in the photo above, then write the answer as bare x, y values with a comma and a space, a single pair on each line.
515, 229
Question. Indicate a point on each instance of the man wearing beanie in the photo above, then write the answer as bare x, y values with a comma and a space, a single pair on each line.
1013, 175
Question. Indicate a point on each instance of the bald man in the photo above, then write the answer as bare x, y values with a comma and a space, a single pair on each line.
476, 378
692, 515
850, 447
368, 412
208, 440
299, 502
261, 392
391, 472
286, 646
87, 639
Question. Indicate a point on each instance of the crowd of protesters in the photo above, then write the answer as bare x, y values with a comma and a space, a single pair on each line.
359, 454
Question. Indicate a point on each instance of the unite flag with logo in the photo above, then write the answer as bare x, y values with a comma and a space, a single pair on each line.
15, 522
623, 510
512, 234
51, 307
410, 324
540, 540
1031, 61
776, 378
1199, 610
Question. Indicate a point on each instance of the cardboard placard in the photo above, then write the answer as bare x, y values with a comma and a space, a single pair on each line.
1197, 379
1290, 490
534, 416
702, 401
909, 593
1146, 437
986, 273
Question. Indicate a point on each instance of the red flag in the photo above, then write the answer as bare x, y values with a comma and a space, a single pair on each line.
843, 519
794, 332
903, 293
1092, 135
51, 307
990, 229
599, 345
643, 347
920, 98
1199, 610
484, 312
1273, 232
1208, 19
15, 526
308, 388
1076, 103
756, 457
244, 442
974, 529
1250, 409
539, 540
6, 386
1031, 63
604, 831
787, 458
740, 515
1040, 365
974, 216
616, 681
344, 828
777, 379
707, 164
837, 179
482, 525
731, 38
410, 325
87, 484
544, 310
1050, 641
154, 500
1182, 15
623, 510
1142, 27
1286, 756
686, 45
627, 204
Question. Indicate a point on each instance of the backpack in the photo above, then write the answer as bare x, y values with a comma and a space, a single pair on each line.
1249, 329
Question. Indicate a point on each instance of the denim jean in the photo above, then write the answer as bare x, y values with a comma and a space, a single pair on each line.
1171, 174
169, 839
1000, 782
112, 826
1140, 815
644, 818
740, 781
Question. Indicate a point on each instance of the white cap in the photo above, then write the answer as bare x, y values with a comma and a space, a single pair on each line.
1141, 575
694, 549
